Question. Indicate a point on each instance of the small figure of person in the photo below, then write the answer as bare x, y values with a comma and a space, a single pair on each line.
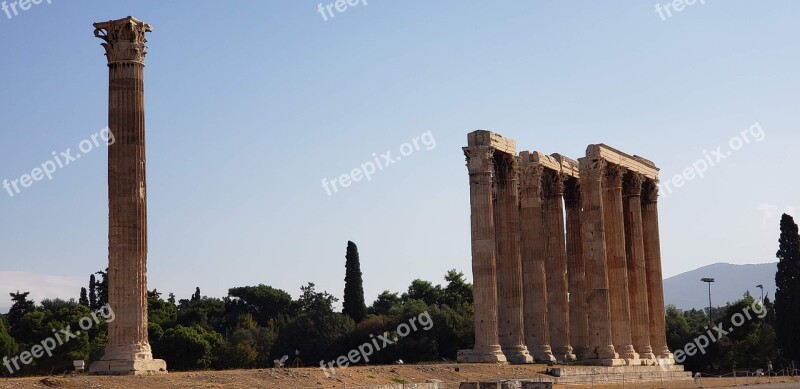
769, 367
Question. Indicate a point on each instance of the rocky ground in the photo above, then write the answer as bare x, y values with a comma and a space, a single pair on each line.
344, 378
310, 377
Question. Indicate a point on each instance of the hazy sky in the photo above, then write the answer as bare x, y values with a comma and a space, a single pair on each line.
250, 105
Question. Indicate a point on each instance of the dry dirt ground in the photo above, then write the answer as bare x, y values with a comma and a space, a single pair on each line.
352, 377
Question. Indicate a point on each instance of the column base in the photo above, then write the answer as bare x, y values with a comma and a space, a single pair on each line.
665, 361
139, 367
647, 356
602, 352
606, 362
487, 354
542, 354
564, 354
518, 354
581, 351
627, 352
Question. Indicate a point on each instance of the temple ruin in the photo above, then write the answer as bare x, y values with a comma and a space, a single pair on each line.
566, 257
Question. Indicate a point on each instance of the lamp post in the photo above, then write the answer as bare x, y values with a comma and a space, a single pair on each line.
762, 292
708, 281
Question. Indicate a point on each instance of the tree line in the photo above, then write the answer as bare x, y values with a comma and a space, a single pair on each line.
253, 326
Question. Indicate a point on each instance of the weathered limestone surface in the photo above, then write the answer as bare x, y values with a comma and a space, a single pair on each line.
128, 349
509, 260
480, 161
601, 348
655, 284
576, 270
617, 264
637, 272
534, 250
557, 304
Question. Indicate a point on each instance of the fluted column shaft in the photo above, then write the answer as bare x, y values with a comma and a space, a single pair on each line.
484, 272
127, 210
637, 271
652, 254
534, 251
617, 263
557, 305
576, 270
594, 251
509, 260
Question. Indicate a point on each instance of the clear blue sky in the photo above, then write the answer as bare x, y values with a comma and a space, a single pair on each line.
251, 104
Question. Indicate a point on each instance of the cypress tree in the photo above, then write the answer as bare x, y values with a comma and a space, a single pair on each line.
354, 305
102, 289
93, 292
787, 294
84, 300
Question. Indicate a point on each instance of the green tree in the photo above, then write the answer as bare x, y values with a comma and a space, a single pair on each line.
458, 291
208, 313
159, 311
787, 293
8, 346
21, 306
102, 288
189, 348
84, 300
263, 302
424, 291
93, 292
384, 303
353, 304
315, 303
196, 296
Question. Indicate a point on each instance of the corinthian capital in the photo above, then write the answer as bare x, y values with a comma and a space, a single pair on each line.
480, 159
553, 183
592, 169
124, 39
632, 184
531, 175
614, 174
650, 191
507, 167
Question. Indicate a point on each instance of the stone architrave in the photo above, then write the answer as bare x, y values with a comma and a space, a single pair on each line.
576, 270
128, 350
617, 264
534, 251
509, 260
557, 303
480, 161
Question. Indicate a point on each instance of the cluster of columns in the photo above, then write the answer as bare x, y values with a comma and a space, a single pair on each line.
566, 256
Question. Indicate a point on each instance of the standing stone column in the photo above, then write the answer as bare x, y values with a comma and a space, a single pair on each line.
128, 349
534, 250
655, 287
601, 348
637, 272
484, 272
576, 270
509, 260
617, 264
557, 305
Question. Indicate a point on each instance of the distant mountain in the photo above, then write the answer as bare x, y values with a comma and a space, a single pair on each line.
686, 291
